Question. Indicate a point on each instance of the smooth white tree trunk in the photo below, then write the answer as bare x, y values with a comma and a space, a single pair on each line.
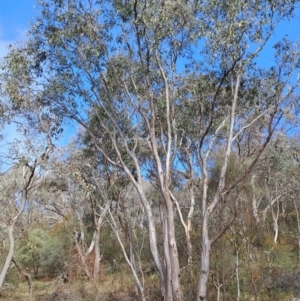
207, 210
298, 225
129, 259
10, 230
205, 257
97, 255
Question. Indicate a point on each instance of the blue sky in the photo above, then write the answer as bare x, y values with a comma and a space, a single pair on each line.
15, 16
291, 29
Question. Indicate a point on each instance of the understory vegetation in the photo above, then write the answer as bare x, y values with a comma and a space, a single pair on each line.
266, 271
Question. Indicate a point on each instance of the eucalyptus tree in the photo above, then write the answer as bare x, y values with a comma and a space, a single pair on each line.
26, 155
85, 185
69, 196
10, 188
17, 183
274, 184
159, 86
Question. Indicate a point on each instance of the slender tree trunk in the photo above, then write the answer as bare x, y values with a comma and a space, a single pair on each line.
205, 253
168, 269
129, 261
255, 201
298, 225
82, 257
275, 219
132, 260
206, 211
97, 254
218, 287
173, 253
276, 229
10, 230
189, 245
187, 229
153, 239
98, 223
189, 221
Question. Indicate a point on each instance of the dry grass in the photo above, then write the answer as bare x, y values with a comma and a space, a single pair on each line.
111, 287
